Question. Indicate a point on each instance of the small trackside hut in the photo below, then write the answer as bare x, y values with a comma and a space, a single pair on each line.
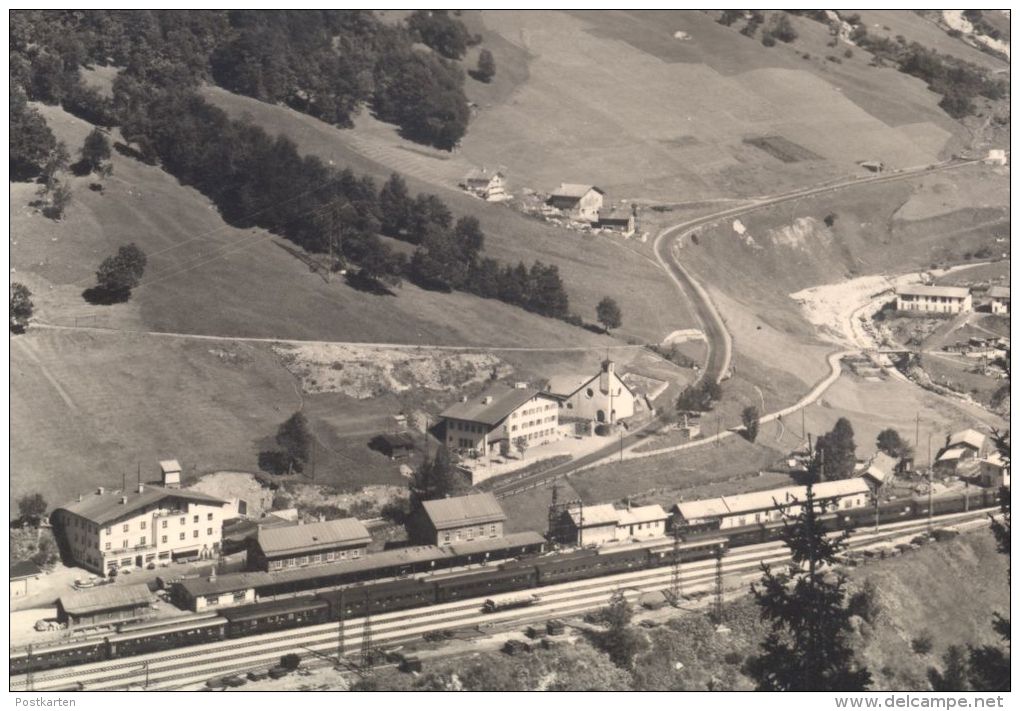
105, 605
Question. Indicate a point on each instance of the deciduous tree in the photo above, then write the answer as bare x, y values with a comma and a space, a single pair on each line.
95, 151
295, 440
750, 417
486, 66
21, 307
609, 314
31, 508
890, 442
835, 453
122, 272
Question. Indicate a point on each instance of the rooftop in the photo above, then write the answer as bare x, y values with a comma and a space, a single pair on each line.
492, 406
481, 174
951, 454
598, 515
575, 190
108, 506
24, 569
169, 465
761, 500
464, 511
107, 597
969, 437
312, 536
999, 292
642, 514
954, 292
567, 385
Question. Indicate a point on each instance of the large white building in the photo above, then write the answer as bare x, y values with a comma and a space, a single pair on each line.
998, 300
604, 523
499, 417
109, 530
934, 299
762, 507
602, 396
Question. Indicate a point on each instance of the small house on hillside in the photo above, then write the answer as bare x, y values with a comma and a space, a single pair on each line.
486, 185
961, 449
998, 300
880, 471
994, 471
602, 396
394, 446
934, 299
579, 202
617, 221
444, 522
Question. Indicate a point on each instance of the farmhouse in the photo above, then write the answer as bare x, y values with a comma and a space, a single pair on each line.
486, 185
602, 397
306, 544
998, 300
595, 525
881, 470
108, 530
622, 222
394, 446
450, 521
579, 202
934, 299
494, 420
761, 507
961, 447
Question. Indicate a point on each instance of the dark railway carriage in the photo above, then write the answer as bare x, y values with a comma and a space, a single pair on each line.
61, 655
168, 636
393, 596
588, 564
690, 551
485, 583
275, 615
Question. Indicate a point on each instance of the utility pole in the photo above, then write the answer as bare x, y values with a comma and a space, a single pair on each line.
931, 483
917, 430
876, 509
803, 427
30, 675
580, 524
145, 666
366, 638
621, 446
718, 584
139, 473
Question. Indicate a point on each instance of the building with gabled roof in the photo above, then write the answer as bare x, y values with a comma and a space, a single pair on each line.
994, 471
104, 531
881, 470
456, 519
24, 573
304, 544
604, 523
998, 300
492, 421
485, 184
602, 396
761, 507
934, 299
579, 202
104, 605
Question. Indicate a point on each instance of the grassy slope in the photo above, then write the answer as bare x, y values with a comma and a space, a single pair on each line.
608, 100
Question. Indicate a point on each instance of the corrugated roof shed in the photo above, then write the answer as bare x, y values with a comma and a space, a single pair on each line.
107, 507
464, 511
24, 569
491, 407
999, 292
313, 536
954, 292
107, 597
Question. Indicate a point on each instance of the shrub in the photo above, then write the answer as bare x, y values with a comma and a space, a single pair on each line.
923, 643
767, 39
290, 661
848, 54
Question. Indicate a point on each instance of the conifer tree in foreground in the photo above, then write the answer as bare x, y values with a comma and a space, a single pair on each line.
808, 646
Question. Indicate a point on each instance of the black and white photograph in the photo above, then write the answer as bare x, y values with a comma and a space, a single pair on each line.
509, 350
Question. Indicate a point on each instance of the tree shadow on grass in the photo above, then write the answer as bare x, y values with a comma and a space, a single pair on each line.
366, 284
101, 296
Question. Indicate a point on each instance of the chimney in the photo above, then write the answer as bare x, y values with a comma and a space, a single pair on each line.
123, 499
79, 498
463, 398
212, 574
487, 400
99, 491
141, 487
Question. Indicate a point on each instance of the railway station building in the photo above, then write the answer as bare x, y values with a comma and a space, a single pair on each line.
604, 523
761, 507
106, 531
308, 544
458, 519
104, 605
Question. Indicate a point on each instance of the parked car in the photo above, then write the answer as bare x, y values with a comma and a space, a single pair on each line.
278, 672
258, 674
235, 680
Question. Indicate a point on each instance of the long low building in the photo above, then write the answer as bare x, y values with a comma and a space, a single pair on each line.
762, 507
218, 591
308, 544
934, 299
604, 523
104, 605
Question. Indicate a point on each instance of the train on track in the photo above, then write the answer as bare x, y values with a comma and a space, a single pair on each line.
375, 598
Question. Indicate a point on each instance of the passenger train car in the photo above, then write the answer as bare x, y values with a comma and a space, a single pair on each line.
403, 594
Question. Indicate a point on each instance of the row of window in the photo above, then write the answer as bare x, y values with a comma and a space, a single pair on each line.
327, 557
466, 426
215, 599
470, 533
163, 539
534, 410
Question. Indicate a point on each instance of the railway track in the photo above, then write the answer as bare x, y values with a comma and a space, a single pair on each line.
179, 668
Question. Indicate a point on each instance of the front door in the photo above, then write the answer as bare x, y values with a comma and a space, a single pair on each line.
600, 416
